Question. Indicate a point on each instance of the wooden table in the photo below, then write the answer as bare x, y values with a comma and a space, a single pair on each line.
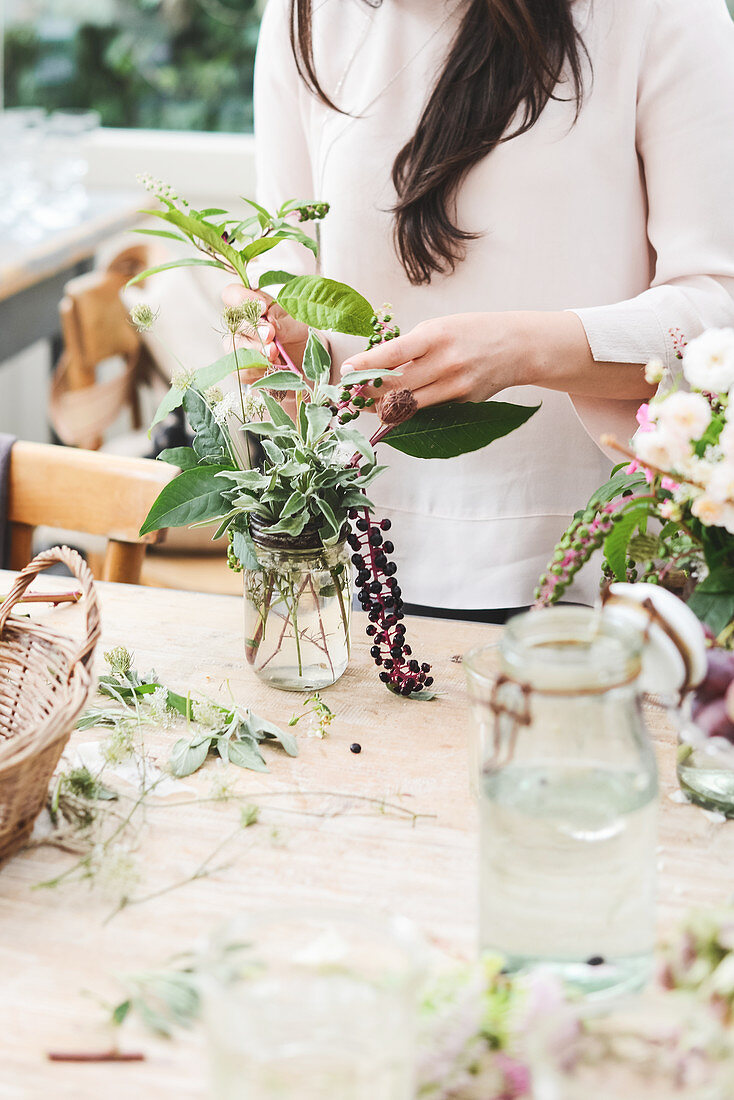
33, 275
56, 949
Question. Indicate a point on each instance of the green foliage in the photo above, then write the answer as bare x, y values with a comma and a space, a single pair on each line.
445, 431
140, 63
617, 541
325, 304
193, 497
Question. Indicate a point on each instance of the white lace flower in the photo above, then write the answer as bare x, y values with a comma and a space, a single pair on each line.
207, 714
228, 406
143, 316
115, 870
255, 408
708, 362
685, 414
182, 379
158, 702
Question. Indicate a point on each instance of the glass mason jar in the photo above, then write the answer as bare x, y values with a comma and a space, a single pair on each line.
705, 765
315, 1004
297, 610
568, 799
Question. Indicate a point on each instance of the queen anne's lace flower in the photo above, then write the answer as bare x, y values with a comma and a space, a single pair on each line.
115, 870
228, 406
182, 379
708, 362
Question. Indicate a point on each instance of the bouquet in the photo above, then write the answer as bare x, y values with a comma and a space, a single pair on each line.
282, 456
667, 517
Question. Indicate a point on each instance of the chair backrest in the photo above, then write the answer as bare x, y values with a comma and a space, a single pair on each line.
95, 326
97, 494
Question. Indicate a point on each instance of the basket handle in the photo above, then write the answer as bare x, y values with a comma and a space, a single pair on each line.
76, 564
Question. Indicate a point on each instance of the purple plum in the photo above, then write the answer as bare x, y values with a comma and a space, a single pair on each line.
713, 719
719, 674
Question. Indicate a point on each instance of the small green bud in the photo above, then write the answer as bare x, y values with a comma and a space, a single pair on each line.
377, 383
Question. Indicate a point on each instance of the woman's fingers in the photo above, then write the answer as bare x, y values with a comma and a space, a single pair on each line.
234, 294
391, 354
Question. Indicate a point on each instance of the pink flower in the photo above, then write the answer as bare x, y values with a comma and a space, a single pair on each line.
517, 1081
669, 484
643, 418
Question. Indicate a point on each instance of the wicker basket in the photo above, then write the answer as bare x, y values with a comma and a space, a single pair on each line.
45, 680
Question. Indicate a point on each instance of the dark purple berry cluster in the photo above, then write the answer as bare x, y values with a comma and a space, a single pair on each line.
379, 594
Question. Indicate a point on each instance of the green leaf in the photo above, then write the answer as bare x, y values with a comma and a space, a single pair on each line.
328, 513
354, 437
354, 377
319, 418
244, 550
445, 431
290, 525
172, 400
325, 304
277, 413
295, 503
120, 1012
194, 496
617, 485
245, 754
616, 542
716, 609
187, 261
272, 278
242, 359
210, 441
183, 457
316, 359
257, 247
280, 380
162, 233
262, 728
187, 758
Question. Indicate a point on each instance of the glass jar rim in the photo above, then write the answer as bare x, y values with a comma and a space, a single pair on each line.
309, 539
561, 650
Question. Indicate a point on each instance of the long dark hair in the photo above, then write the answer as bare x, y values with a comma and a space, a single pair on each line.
505, 63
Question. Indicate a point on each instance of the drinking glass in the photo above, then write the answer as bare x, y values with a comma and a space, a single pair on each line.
318, 1003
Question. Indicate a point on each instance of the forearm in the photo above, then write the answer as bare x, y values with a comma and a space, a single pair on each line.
560, 359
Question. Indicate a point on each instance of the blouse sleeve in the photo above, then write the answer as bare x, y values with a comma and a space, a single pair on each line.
685, 140
282, 160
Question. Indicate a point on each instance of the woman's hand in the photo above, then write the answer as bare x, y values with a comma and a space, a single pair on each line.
275, 324
472, 356
465, 357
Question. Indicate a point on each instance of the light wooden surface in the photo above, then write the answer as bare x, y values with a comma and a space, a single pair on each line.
76, 490
56, 950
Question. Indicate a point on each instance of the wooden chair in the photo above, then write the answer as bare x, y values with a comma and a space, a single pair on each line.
82, 491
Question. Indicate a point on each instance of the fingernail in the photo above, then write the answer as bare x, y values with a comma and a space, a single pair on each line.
346, 367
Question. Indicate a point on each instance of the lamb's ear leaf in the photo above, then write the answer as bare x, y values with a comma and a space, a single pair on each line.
445, 431
325, 304
316, 359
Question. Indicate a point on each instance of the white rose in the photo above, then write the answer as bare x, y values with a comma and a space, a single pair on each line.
721, 483
686, 414
711, 512
708, 362
728, 518
695, 469
726, 439
661, 448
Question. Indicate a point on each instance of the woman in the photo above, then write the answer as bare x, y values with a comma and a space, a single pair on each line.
541, 190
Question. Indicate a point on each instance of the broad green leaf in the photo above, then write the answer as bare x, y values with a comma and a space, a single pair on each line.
244, 549
716, 609
210, 441
280, 380
242, 359
316, 359
193, 496
183, 457
257, 247
274, 278
319, 418
187, 758
445, 431
273, 451
616, 542
186, 261
325, 304
245, 754
162, 233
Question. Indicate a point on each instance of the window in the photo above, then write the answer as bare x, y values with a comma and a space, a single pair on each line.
157, 64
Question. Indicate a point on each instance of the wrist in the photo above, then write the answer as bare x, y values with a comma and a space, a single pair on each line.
555, 342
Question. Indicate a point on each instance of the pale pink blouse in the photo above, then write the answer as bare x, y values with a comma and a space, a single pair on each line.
624, 217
